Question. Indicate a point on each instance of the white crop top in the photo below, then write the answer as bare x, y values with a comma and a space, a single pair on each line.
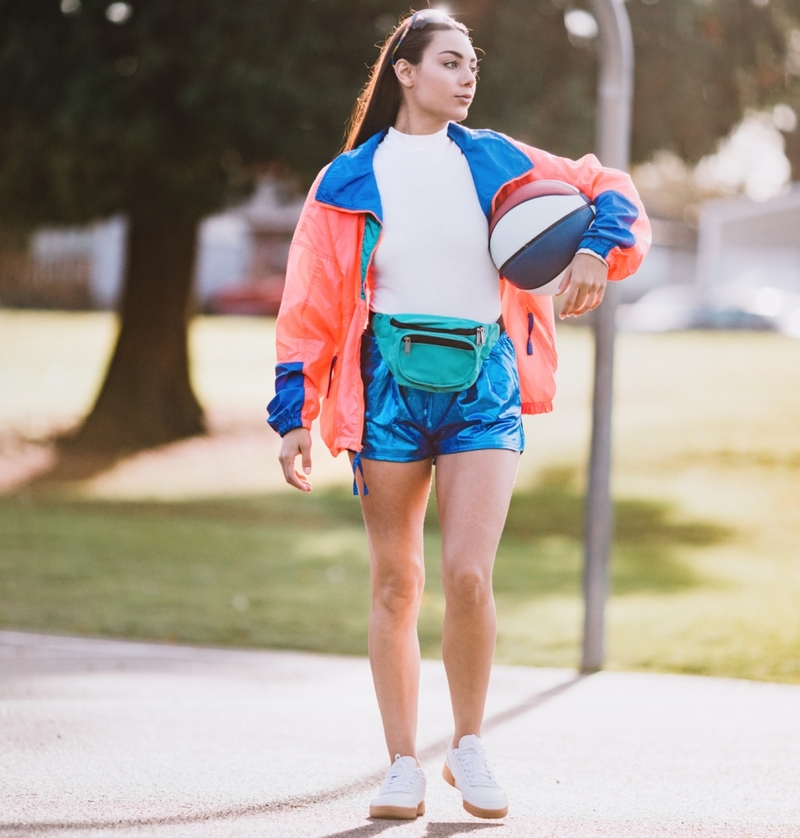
433, 257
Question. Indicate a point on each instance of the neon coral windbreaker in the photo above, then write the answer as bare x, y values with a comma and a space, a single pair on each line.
325, 304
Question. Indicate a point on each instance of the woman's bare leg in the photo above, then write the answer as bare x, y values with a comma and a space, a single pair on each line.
473, 491
394, 513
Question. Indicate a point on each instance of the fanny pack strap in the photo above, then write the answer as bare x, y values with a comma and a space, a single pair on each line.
370, 331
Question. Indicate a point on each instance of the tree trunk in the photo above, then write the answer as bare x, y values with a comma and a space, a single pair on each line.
146, 398
792, 152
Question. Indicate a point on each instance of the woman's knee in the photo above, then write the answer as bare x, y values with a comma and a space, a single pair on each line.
467, 586
399, 591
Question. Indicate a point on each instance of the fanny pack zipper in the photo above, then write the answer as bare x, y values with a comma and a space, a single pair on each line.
478, 331
437, 341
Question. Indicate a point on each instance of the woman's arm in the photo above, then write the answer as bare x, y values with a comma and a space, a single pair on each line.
306, 334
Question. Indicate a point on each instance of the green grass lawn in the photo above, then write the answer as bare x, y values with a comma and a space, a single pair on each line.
706, 565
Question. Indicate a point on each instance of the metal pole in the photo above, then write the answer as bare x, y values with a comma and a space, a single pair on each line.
615, 95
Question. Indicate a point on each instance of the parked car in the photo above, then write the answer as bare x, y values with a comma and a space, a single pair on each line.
253, 297
676, 307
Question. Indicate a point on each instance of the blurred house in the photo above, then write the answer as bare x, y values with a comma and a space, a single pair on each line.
746, 275
271, 217
750, 243
241, 254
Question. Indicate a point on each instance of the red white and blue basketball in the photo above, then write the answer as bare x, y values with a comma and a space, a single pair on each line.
534, 234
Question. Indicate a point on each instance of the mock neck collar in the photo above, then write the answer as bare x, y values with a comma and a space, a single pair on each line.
416, 143
349, 183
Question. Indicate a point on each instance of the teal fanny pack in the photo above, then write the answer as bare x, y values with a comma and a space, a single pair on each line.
438, 354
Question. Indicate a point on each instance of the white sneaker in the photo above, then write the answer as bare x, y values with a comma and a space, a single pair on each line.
402, 794
469, 769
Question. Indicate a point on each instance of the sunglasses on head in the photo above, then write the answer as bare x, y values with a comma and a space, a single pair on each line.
419, 20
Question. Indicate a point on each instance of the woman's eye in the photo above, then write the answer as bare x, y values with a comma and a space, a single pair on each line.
451, 64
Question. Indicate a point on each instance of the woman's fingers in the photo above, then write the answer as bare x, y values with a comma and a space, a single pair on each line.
564, 284
296, 443
584, 284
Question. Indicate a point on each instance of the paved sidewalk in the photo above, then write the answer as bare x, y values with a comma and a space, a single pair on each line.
107, 738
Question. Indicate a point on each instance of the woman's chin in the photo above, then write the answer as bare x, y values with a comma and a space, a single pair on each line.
458, 113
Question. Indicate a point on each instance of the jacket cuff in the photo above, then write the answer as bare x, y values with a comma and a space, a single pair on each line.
284, 428
596, 246
286, 409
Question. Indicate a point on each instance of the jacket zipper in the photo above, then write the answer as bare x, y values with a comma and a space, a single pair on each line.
533, 323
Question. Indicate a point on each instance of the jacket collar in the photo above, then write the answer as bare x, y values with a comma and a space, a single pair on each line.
349, 182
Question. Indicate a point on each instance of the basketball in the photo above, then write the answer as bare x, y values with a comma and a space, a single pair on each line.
534, 234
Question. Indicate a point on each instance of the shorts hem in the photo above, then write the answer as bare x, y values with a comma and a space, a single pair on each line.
459, 450
462, 449
398, 459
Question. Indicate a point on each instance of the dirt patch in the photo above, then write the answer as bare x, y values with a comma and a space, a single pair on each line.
235, 458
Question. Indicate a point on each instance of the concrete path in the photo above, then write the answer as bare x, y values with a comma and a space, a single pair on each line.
106, 738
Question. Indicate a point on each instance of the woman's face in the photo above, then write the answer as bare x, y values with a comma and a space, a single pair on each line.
440, 88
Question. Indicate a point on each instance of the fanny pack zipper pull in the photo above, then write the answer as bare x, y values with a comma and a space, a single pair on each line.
407, 344
481, 336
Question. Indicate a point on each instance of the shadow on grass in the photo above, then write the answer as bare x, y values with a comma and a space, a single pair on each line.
286, 570
544, 532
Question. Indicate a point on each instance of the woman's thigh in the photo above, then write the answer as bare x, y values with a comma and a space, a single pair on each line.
473, 492
394, 514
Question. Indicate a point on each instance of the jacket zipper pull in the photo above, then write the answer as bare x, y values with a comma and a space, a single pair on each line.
407, 344
481, 336
530, 333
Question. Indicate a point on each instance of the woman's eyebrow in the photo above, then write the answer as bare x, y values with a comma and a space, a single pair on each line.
457, 54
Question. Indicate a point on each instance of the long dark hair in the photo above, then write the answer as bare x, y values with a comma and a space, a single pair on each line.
377, 106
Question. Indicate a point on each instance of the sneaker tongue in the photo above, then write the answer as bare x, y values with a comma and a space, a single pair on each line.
471, 741
408, 762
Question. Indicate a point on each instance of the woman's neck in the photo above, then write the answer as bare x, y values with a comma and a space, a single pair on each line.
410, 122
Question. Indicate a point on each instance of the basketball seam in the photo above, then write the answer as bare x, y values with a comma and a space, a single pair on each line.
545, 231
505, 208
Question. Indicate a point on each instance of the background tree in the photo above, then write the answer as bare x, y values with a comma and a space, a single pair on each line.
165, 110
788, 12
699, 65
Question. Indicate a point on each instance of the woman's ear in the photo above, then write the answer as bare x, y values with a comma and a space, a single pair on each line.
404, 72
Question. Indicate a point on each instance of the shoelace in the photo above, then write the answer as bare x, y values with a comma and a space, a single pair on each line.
400, 778
477, 767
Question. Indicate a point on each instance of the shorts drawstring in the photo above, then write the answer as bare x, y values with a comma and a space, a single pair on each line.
359, 466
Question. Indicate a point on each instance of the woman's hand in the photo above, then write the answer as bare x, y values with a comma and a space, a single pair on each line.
296, 442
585, 283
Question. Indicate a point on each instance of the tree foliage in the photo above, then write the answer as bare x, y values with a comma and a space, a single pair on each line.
180, 99
699, 65
186, 98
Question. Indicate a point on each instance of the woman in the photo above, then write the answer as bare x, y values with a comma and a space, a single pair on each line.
398, 224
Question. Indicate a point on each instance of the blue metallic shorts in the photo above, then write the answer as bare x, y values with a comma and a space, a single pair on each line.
404, 424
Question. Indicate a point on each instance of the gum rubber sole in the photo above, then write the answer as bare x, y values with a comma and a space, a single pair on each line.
397, 813
477, 811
